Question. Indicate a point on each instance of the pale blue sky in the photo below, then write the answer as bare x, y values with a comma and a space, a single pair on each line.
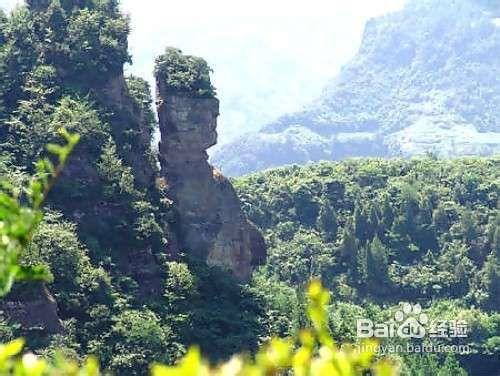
269, 56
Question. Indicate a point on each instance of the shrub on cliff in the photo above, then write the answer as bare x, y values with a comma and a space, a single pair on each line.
97, 43
184, 74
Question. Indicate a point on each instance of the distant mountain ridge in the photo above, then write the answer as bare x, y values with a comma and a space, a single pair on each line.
425, 80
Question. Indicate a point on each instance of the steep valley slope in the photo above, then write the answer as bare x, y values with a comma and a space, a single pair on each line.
425, 80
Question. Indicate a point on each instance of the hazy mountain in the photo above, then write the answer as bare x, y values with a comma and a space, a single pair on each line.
426, 79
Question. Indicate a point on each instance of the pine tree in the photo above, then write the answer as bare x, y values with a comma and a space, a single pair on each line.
386, 219
361, 225
410, 208
491, 282
373, 222
468, 226
494, 236
359, 274
3, 24
496, 243
56, 52
377, 264
387, 213
440, 219
57, 20
425, 213
327, 222
348, 245
451, 367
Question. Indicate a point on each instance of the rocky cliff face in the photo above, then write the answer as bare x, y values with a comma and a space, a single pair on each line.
107, 218
426, 79
211, 224
79, 196
33, 307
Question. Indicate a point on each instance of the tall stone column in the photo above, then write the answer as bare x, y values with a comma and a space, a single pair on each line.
211, 224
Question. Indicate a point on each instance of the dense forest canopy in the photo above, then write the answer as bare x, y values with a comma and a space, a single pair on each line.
375, 232
379, 232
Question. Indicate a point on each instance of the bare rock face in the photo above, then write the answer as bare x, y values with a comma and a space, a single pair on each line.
116, 95
211, 224
33, 307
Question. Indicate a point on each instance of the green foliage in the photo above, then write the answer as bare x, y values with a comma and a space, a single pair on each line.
119, 179
397, 235
12, 363
81, 117
430, 364
311, 352
81, 42
361, 225
180, 283
495, 236
184, 74
217, 314
55, 59
348, 247
437, 276
282, 305
36, 122
77, 284
17, 56
18, 222
377, 265
342, 319
420, 230
146, 226
304, 257
490, 281
327, 222
140, 91
30, 127
138, 338
97, 43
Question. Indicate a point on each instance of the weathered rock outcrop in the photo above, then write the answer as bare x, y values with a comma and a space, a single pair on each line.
100, 216
33, 307
211, 224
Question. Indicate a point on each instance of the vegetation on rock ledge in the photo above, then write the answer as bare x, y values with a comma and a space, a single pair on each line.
184, 74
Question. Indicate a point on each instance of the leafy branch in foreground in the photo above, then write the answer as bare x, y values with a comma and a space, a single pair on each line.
20, 214
313, 352
11, 363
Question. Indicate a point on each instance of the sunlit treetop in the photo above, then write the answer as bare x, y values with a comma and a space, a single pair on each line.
184, 74
70, 5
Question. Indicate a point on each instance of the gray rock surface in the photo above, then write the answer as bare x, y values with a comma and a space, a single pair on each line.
33, 307
211, 224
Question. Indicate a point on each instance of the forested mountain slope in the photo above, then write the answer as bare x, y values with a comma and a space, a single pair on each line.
123, 287
130, 287
381, 232
425, 79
